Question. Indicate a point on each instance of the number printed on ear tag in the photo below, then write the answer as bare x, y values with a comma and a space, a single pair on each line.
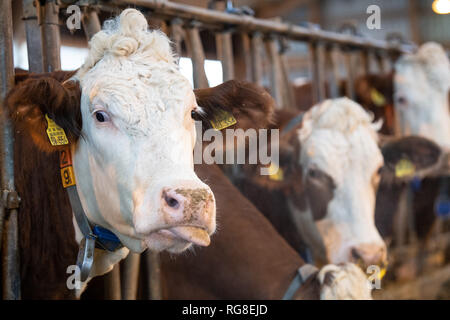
67, 177
404, 168
55, 133
222, 119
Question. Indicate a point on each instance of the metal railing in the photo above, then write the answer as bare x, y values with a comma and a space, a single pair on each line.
185, 23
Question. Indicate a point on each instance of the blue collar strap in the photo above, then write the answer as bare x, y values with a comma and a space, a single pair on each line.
105, 239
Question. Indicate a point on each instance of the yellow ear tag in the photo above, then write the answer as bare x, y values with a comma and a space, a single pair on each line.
377, 98
382, 273
55, 133
275, 173
222, 119
404, 168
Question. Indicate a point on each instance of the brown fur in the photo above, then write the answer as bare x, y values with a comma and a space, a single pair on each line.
46, 234
247, 258
249, 103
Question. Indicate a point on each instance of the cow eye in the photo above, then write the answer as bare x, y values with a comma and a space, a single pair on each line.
193, 114
101, 116
401, 100
314, 173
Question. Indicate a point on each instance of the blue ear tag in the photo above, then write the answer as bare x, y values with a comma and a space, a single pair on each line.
106, 239
442, 207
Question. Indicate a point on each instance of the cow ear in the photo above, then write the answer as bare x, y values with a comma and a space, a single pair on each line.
408, 157
32, 99
286, 176
249, 105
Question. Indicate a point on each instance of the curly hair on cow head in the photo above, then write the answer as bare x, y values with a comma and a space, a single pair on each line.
128, 36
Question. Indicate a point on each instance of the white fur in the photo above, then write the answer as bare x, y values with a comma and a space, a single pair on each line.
339, 138
121, 166
348, 283
423, 81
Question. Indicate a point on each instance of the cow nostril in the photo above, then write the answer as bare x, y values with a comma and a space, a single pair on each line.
171, 202
355, 254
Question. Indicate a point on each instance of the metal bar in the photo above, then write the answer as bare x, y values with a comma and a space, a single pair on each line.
154, 275
91, 23
379, 59
288, 93
242, 61
276, 73
321, 85
314, 71
195, 50
177, 35
250, 24
112, 284
33, 33
225, 54
350, 80
257, 63
51, 40
333, 78
8, 218
130, 276
365, 62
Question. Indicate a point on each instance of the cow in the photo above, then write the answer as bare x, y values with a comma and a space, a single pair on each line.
127, 116
421, 88
325, 198
418, 89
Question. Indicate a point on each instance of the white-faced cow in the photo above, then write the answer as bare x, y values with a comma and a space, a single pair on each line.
330, 161
127, 114
421, 86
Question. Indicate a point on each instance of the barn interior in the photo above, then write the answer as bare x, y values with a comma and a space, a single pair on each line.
301, 52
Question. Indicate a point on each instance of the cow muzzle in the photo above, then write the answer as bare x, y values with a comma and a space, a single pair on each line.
188, 216
368, 254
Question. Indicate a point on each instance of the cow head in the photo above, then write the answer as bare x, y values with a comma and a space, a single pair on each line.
340, 159
421, 86
127, 114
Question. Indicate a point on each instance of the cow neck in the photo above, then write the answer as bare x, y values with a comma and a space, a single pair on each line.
93, 237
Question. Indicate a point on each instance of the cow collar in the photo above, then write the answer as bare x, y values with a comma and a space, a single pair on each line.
95, 237
303, 274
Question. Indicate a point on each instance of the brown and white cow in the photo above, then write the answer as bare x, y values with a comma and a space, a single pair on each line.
330, 162
127, 114
421, 88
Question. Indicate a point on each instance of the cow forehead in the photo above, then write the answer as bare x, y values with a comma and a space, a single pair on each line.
338, 136
139, 96
338, 154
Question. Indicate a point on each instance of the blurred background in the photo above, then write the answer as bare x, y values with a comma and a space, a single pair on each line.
418, 21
